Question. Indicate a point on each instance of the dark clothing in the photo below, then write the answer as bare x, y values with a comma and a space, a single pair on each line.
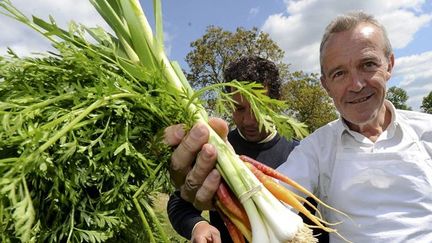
272, 153
184, 216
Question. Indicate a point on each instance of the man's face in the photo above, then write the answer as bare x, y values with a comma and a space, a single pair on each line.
245, 120
355, 72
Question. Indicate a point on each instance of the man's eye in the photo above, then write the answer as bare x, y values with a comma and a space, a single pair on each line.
370, 65
337, 74
239, 109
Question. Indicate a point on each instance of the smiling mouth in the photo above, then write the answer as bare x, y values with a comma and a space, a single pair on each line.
360, 100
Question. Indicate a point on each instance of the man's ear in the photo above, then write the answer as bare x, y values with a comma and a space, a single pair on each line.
390, 64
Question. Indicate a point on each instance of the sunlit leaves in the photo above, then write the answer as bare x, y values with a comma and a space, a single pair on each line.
268, 112
427, 103
398, 97
307, 100
97, 165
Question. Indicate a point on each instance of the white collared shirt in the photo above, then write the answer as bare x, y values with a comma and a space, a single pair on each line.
311, 163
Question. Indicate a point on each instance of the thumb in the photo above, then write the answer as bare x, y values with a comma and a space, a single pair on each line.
219, 126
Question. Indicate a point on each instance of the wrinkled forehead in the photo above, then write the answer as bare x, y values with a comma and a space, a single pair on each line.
364, 36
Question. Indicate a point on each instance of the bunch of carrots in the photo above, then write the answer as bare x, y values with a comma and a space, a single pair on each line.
235, 216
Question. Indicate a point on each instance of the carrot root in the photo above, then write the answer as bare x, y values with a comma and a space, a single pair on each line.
231, 208
286, 196
277, 175
234, 232
231, 203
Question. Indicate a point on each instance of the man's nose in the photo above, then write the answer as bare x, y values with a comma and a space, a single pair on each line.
249, 118
356, 81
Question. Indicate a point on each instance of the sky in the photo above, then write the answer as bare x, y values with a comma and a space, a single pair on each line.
295, 25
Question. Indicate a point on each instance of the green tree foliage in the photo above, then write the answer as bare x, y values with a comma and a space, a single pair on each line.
398, 97
217, 48
427, 103
308, 101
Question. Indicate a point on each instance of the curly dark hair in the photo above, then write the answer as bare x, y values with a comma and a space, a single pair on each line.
255, 69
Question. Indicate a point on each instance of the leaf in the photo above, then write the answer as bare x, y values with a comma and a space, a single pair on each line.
24, 214
124, 146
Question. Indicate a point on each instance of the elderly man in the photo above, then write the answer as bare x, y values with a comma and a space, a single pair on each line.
374, 163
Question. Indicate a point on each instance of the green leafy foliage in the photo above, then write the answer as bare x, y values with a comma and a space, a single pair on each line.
427, 103
217, 48
268, 112
81, 185
307, 100
398, 97
212, 52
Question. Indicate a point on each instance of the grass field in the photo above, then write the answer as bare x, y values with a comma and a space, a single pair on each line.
160, 210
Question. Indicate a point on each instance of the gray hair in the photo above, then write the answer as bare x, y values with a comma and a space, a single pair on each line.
348, 22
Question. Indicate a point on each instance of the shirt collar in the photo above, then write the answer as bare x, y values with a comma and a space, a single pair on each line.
342, 127
390, 131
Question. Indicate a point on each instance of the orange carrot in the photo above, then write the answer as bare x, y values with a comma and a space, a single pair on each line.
277, 175
241, 226
231, 207
285, 195
232, 204
234, 232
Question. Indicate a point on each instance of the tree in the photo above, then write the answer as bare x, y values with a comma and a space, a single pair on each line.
212, 53
217, 48
427, 103
308, 101
398, 97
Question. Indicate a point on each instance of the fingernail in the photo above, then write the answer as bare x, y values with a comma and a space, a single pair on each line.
180, 133
198, 131
214, 175
207, 152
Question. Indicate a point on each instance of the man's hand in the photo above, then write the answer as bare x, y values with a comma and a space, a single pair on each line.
203, 232
192, 167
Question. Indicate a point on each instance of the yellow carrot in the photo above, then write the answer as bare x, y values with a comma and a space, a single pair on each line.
234, 232
231, 203
244, 228
279, 176
285, 195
